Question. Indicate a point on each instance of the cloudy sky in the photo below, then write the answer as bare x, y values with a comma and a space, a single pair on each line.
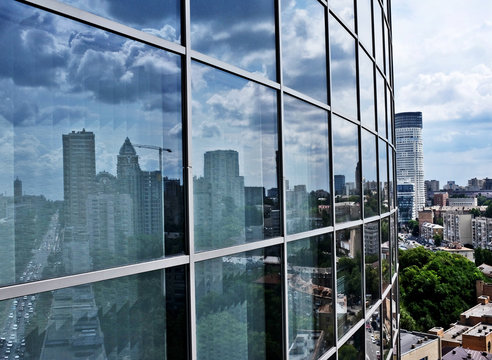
443, 67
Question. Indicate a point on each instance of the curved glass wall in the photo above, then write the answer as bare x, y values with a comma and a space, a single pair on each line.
191, 179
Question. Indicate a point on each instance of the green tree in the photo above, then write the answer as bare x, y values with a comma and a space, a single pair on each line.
437, 239
475, 212
488, 212
436, 287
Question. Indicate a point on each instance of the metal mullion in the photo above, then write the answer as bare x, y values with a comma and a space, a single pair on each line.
310, 233
351, 332
256, 245
223, 66
102, 23
341, 22
17, 290
306, 98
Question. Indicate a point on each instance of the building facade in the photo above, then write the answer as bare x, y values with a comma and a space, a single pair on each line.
406, 198
208, 180
457, 228
410, 155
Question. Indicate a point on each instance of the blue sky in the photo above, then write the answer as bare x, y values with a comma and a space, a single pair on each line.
443, 67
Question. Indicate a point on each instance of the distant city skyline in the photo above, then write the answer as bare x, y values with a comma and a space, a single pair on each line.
443, 68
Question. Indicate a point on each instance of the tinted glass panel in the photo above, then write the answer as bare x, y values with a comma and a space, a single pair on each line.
347, 170
383, 175
89, 197
373, 263
344, 10
241, 33
394, 309
386, 52
306, 162
353, 349
385, 250
378, 34
389, 115
393, 243
366, 84
234, 160
369, 175
125, 318
158, 17
386, 325
373, 337
239, 306
343, 70
304, 47
349, 281
364, 16
311, 318
391, 183
381, 108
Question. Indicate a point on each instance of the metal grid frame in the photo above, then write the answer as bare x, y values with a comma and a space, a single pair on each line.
188, 55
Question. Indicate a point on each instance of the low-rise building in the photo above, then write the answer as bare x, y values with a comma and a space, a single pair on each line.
456, 248
428, 230
465, 201
486, 270
417, 346
457, 228
460, 353
478, 337
440, 198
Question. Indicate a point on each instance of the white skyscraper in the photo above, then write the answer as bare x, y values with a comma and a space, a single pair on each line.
409, 154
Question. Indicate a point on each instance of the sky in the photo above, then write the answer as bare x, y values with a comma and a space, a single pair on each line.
443, 68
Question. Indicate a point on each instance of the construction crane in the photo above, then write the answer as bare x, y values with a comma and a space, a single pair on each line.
154, 147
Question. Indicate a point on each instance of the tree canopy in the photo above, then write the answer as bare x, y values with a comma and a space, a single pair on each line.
436, 287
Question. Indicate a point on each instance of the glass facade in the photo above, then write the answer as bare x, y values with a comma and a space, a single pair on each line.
191, 179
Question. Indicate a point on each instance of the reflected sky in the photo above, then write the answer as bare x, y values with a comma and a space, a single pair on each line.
344, 10
158, 17
364, 16
345, 148
343, 70
241, 33
366, 84
91, 79
303, 47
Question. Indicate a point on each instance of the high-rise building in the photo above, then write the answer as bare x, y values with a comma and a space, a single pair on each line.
79, 177
406, 198
257, 217
409, 154
431, 187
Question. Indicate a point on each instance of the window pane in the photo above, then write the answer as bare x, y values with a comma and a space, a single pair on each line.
391, 182
373, 263
307, 165
369, 175
343, 70
353, 349
157, 17
394, 244
373, 337
389, 115
349, 281
386, 325
241, 33
378, 34
366, 83
386, 52
304, 47
381, 104
125, 318
383, 175
234, 160
385, 250
347, 170
90, 197
344, 10
238, 306
394, 309
364, 16
311, 318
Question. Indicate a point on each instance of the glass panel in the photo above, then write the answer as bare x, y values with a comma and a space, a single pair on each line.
369, 175
366, 84
102, 197
234, 160
394, 244
353, 349
391, 179
343, 70
347, 170
385, 250
307, 166
311, 318
394, 309
387, 52
373, 337
373, 263
125, 318
344, 10
349, 281
304, 47
378, 34
239, 306
157, 17
381, 105
241, 33
364, 16
386, 325
389, 115
383, 175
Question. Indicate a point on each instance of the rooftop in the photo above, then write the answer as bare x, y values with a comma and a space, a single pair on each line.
454, 333
459, 353
479, 310
479, 330
414, 340
486, 269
